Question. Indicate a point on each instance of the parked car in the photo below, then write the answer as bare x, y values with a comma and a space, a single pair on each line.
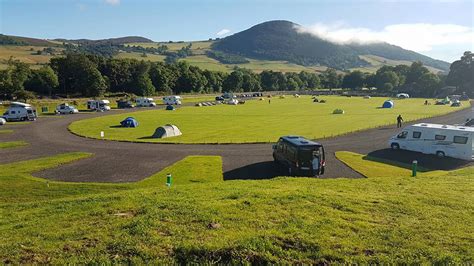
65, 108
300, 156
220, 98
441, 140
122, 104
20, 112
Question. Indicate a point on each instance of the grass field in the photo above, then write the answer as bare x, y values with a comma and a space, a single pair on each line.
388, 217
259, 121
24, 54
12, 144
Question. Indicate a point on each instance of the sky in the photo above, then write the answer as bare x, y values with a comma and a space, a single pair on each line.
442, 29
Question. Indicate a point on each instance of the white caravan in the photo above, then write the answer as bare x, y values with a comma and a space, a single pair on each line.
441, 140
172, 100
65, 108
20, 112
145, 102
98, 105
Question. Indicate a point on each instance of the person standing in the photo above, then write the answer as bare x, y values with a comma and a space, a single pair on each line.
399, 121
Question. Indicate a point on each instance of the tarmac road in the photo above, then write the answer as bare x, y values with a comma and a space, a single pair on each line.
125, 161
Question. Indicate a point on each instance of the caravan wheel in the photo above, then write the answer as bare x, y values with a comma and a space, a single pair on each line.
440, 154
395, 146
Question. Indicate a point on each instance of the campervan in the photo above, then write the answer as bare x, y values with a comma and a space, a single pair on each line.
20, 112
98, 105
441, 140
146, 102
172, 100
65, 108
300, 156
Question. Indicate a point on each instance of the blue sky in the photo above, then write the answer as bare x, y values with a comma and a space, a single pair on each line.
439, 28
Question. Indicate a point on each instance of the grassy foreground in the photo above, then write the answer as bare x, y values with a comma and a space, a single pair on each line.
384, 218
259, 121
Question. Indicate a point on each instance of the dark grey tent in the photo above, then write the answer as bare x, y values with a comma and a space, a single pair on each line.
167, 131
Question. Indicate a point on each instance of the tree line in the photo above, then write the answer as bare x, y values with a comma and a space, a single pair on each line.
93, 76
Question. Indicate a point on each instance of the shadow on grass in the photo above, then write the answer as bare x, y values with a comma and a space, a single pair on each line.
426, 163
256, 171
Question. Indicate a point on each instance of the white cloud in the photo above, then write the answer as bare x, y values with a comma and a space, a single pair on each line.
112, 2
419, 37
223, 32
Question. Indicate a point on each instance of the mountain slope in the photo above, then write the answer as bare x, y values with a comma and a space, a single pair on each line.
280, 40
116, 41
17, 40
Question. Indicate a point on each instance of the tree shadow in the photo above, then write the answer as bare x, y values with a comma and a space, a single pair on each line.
256, 171
403, 158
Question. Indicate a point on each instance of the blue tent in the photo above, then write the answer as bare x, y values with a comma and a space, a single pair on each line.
170, 108
388, 104
129, 122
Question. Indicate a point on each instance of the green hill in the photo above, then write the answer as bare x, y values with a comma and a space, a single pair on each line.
280, 40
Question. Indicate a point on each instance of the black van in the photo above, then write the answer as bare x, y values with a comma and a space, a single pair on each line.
300, 156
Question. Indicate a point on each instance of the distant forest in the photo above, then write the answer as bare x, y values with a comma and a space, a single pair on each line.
78, 74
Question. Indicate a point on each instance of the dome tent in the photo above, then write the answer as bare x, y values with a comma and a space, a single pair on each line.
167, 131
170, 108
388, 104
129, 122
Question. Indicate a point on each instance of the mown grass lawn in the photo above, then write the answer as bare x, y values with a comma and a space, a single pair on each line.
388, 217
259, 121
12, 144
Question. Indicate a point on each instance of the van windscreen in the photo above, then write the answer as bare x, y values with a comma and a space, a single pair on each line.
309, 154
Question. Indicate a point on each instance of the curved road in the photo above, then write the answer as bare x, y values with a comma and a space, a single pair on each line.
123, 161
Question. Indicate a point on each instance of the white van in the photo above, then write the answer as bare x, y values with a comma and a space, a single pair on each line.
98, 105
441, 140
20, 112
172, 100
145, 102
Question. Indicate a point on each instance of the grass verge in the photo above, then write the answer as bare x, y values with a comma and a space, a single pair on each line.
12, 144
385, 218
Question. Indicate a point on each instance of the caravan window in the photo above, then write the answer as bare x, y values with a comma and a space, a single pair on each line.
440, 137
416, 134
460, 140
402, 135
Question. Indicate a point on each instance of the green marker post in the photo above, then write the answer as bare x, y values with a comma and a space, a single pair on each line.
414, 167
169, 180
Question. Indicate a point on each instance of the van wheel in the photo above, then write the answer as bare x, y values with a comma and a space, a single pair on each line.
440, 154
395, 146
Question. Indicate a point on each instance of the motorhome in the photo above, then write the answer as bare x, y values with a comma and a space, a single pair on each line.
172, 100
300, 156
65, 108
20, 112
441, 140
145, 102
403, 96
98, 105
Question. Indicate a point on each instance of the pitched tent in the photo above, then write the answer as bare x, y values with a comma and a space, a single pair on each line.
167, 131
388, 104
129, 122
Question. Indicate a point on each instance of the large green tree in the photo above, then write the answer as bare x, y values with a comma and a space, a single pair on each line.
42, 81
12, 78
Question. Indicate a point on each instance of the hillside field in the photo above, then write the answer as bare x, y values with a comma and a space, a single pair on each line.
198, 58
388, 217
259, 121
